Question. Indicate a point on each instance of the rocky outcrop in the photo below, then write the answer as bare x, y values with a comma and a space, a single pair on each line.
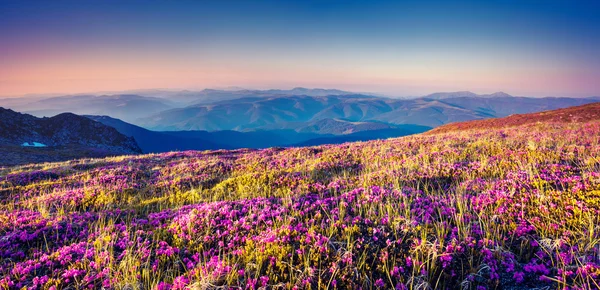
66, 130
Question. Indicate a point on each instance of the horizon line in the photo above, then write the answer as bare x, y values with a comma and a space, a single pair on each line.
234, 88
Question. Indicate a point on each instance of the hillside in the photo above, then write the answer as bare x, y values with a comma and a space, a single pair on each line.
577, 114
64, 136
469, 210
156, 142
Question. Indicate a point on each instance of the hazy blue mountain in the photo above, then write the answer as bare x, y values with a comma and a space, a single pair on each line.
164, 141
135, 104
502, 106
250, 113
154, 142
207, 96
126, 107
447, 95
299, 91
427, 112
464, 94
294, 112
17, 102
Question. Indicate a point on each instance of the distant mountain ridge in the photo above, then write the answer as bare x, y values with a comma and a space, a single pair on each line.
124, 106
263, 113
165, 141
303, 110
134, 104
465, 94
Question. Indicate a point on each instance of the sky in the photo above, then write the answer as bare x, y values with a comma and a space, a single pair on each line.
398, 48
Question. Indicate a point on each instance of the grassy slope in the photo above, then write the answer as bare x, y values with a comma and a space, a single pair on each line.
514, 208
576, 114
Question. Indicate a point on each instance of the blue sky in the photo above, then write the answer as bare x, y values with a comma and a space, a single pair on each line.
525, 47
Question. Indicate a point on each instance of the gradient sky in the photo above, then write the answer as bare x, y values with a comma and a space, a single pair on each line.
400, 48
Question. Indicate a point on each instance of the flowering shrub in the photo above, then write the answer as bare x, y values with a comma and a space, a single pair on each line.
469, 210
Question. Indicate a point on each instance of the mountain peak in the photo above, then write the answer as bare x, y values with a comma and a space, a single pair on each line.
465, 94
498, 95
448, 95
7, 111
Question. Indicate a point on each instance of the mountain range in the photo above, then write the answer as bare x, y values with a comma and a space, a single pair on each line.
299, 109
124, 106
132, 105
264, 113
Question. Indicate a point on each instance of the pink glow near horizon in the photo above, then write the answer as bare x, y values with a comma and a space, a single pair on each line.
88, 74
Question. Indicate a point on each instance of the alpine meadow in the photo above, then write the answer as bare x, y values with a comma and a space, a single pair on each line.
292, 145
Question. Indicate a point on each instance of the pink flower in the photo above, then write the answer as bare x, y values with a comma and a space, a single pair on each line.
163, 286
180, 282
264, 280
